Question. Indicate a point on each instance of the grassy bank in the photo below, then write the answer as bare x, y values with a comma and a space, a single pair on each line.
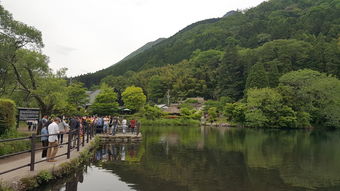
170, 122
14, 146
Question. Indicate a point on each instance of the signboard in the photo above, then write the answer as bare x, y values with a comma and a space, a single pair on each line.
29, 114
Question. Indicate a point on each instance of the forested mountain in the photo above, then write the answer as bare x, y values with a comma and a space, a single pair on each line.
225, 56
142, 49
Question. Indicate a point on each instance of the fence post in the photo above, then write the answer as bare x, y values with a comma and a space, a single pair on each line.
87, 133
32, 152
69, 141
78, 141
92, 130
83, 140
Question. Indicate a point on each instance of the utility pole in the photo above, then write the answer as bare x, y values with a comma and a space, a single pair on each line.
168, 96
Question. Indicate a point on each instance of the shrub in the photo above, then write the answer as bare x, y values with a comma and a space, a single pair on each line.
44, 176
7, 115
152, 112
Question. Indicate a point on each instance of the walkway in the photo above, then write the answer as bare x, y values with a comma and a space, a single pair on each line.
19, 160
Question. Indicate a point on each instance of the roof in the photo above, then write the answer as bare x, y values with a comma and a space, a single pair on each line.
173, 108
162, 106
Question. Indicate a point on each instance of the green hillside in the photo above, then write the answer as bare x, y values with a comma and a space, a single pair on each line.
142, 49
277, 36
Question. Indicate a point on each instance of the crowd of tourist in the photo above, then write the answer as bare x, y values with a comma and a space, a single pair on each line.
52, 130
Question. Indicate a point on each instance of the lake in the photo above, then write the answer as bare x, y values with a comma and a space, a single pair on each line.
202, 159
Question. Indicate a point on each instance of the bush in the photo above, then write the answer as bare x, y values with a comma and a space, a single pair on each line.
44, 176
152, 112
14, 146
7, 115
170, 122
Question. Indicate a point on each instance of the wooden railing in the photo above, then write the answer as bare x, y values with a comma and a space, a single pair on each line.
73, 136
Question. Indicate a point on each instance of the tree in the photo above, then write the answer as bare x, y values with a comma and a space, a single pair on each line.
235, 112
265, 108
152, 112
105, 102
157, 88
204, 68
313, 94
76, 95
212, 112
23, 67
231, 75
133, 98
257, 78
51, 92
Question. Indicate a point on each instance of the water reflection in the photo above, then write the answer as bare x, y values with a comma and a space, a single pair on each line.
116, 152
219, 159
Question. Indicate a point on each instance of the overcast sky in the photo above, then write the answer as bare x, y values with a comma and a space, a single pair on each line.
89, 35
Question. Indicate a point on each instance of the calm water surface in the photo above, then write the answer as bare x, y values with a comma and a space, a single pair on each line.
202, 159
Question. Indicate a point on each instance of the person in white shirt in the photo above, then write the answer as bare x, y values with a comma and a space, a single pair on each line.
53, 128
124, 125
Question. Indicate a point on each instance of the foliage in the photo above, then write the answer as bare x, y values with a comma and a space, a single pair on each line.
235, 112
3, 187
44, 176
187, 113
265, 108
152, 112
76, 94
170, 122
157, 88
133, 98
13, 146
257, 77
7, 115
105, 102
209, 104
313, 94
212, 112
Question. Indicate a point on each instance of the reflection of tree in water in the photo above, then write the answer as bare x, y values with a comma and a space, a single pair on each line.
228, 159
68, 183
235, 159
72, 184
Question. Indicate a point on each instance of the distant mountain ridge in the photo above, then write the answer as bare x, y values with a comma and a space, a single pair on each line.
271, 20
142, 49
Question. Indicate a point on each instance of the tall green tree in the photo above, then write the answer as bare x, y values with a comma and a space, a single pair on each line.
265, 108
133, 98
105, 102
157, 88
313, 93
257, 77
23, 68
76, 95
231, 75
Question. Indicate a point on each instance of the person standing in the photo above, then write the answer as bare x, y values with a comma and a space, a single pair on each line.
53, 128
63, 126
115, 124
74, 126
106, 124
138, 126
34, 125
132, 125
29, 124
124, 125
44, 142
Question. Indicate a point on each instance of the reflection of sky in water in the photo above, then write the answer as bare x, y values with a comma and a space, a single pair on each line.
97, 179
